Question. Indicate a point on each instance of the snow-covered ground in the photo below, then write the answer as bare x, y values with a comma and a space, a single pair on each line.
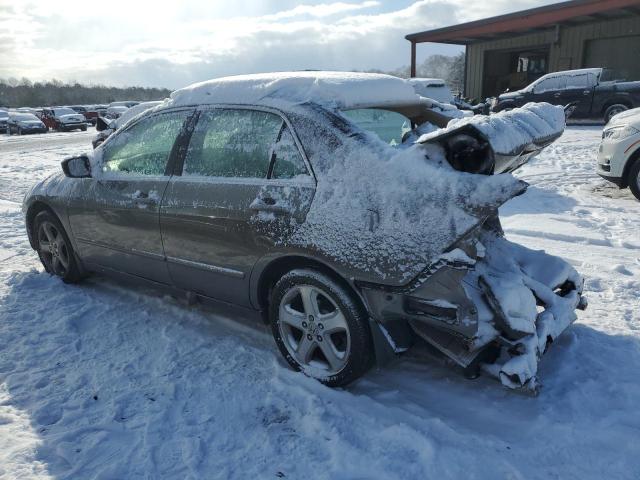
100, 381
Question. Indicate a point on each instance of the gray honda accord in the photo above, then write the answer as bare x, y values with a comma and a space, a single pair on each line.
355, 215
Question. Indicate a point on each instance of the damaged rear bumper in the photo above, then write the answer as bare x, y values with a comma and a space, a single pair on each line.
493, 306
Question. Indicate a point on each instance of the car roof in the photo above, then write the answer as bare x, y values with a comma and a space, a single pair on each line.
581, 71
344, 90
429, 82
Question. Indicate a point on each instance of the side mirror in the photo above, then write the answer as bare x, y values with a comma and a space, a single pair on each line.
102, 124
77, 167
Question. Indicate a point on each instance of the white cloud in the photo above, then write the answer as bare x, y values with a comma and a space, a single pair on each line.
174, 44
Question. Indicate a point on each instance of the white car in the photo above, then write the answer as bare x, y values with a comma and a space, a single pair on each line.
437, 90
619, 152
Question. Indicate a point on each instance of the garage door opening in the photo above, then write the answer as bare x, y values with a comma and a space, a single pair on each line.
513, 69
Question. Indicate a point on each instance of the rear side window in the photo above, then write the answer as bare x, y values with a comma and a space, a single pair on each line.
232, 143
288, 162
387, 125
144, 148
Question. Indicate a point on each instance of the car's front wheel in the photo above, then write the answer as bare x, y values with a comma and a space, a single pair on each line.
613, 110
320, 328
54, 248
634, 179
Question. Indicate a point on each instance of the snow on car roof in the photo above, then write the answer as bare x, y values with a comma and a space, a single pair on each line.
431, 82
581, 71
336, 89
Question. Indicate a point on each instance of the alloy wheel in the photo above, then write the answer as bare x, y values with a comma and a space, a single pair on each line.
53, 248
314, 329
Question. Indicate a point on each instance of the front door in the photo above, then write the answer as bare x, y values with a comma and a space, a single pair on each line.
116, 219
244, 186
549, 89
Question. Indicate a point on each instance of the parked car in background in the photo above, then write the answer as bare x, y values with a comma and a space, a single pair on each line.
105, 128
115, 111
63, 119
306, 197
434, 88
619, 151
438, 90
4, 118
26, 110
21, 123
594, 92
126, 103
88, 111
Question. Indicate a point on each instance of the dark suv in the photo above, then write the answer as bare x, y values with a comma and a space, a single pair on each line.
595, 93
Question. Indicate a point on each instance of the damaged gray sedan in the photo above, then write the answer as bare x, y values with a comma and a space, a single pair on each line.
354, 214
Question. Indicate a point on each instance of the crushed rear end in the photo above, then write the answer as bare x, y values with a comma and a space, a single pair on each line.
490, 305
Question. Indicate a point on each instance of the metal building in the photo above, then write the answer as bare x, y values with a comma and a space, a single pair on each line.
510, 51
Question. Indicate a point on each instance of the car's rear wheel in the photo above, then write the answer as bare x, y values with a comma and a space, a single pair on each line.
614, 110
634, 179
54, 248
320, 328
84, 129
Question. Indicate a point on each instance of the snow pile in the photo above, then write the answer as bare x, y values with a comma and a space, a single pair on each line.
514, 280
335, 89
509, 132
102, 381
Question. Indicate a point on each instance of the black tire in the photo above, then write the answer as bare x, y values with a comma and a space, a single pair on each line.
59, 246
634, 179
84, 129
614, 110
358, 354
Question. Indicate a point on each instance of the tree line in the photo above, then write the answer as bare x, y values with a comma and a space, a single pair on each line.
16, 93
25, 93
448, 68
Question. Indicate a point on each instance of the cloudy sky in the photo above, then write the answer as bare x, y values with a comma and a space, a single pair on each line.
171, 44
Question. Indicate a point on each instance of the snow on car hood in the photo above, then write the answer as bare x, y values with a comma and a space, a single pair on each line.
390, 212
630, 117
336, 89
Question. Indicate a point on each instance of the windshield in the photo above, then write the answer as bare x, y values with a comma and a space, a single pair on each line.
24, 117
389, 126
63, 111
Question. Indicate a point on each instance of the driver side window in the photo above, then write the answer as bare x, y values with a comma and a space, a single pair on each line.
144, 148
550, 84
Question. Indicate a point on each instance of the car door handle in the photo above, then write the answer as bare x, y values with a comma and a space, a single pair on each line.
268, 204
143, 198
557, 94
586, 92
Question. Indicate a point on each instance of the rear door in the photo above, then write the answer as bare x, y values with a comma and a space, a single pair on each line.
115, 217
579, 91
244, 187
